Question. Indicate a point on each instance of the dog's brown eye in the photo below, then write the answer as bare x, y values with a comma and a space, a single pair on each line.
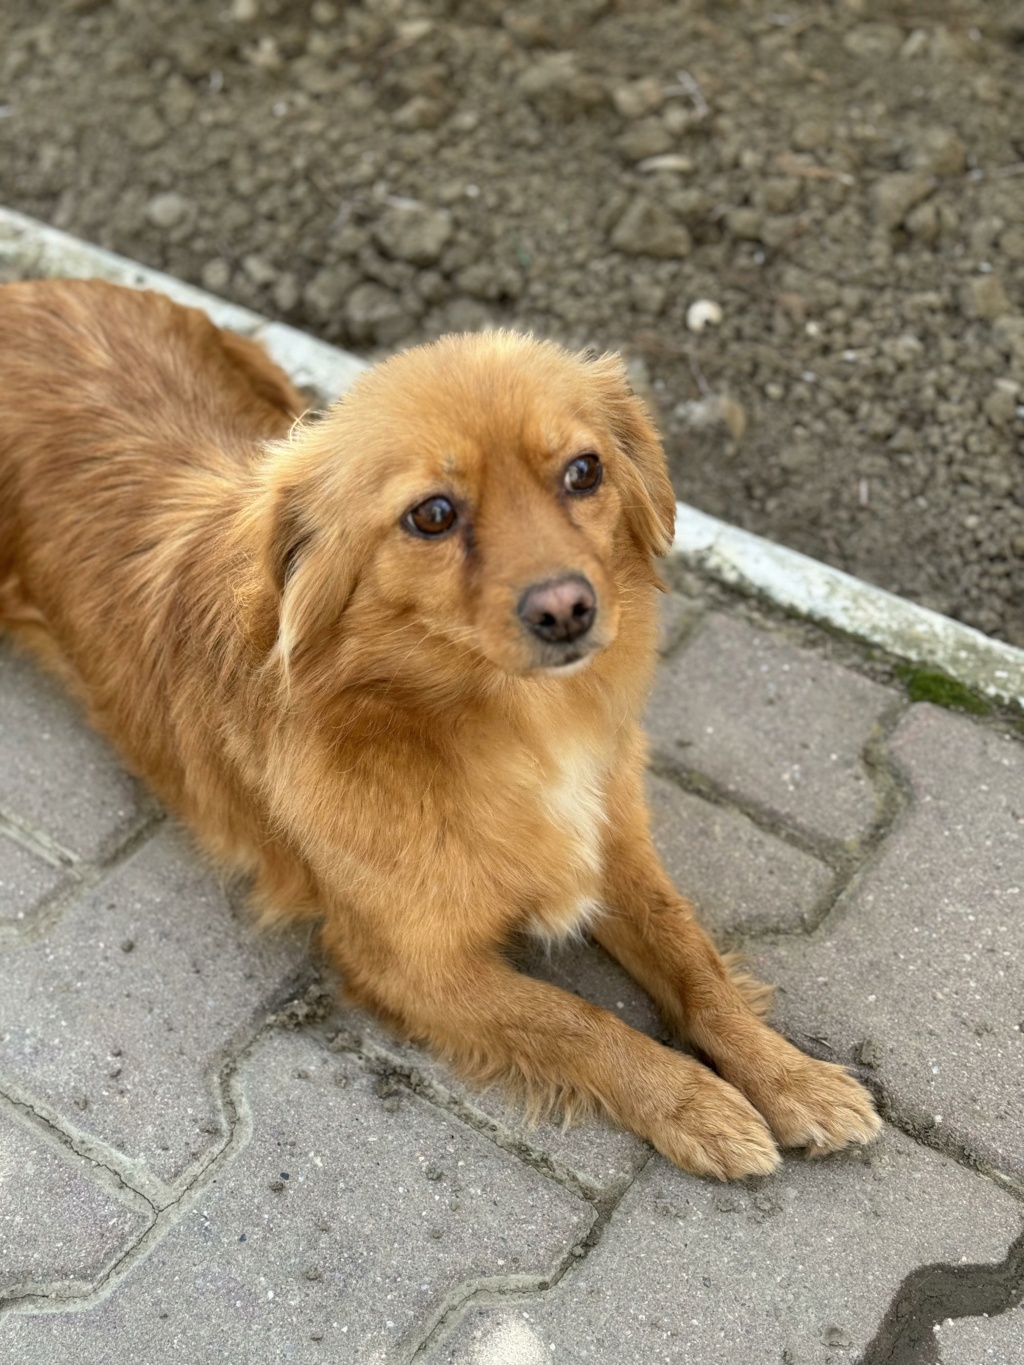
431, 518
583, 474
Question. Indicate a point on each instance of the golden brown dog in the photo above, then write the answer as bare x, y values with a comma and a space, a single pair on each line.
392, 664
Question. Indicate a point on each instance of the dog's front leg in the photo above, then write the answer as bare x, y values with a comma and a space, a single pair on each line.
652, 931
494, 1023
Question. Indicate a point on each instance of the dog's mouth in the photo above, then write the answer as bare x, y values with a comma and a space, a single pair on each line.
575, 662
565, 659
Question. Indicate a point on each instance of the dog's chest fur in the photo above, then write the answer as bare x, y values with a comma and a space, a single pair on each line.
574, 802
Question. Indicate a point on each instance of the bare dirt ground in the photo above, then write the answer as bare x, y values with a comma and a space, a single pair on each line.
845, 181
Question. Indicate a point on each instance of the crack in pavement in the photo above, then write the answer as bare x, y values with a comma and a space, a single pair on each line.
19, 831
123, 1175
168, 1204
496, 1290
846, 860
167, 1215
931, 1294
83, 877
402, 1071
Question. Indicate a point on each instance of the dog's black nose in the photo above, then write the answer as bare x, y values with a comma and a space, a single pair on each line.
560, 610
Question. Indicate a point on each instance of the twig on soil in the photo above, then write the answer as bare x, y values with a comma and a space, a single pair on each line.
810, 170
999, 172
689, 86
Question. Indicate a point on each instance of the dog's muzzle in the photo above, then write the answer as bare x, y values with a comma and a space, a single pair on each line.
560, 613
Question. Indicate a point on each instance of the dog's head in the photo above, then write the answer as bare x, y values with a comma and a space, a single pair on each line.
485, 502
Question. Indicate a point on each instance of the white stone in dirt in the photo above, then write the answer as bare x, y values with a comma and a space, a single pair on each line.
670, 163
703, 313
216, 275
904, 349
258, 269
168, 210
413, 233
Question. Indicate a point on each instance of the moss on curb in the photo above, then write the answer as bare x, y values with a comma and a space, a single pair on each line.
928, 684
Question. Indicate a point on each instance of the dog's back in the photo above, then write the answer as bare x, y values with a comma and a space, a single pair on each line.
110, 391
125, 423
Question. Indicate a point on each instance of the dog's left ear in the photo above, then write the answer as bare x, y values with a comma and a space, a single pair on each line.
651, 501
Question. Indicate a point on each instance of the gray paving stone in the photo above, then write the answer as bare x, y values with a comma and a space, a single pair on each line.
741, 878
25, 881
117, 1018
338, 1234
601, 1158
56, 775
587, 970
677, 616
805, 1262
919, 970
771, 724
58, 1227
982, 1341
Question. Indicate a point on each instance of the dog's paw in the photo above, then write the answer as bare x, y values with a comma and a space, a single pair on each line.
713, 1130
820, 1107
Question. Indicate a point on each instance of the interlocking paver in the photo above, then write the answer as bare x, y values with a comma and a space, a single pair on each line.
742, 878
771, 724
58, 1227
919, 970
117, 1018
981, 1340
804, 1263
677, 616
26, 880
338, 1234
56, 773
602, 1158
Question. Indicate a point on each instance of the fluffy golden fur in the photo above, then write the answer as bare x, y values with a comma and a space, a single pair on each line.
380, 724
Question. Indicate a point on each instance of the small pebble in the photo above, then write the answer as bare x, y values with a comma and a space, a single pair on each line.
703, 313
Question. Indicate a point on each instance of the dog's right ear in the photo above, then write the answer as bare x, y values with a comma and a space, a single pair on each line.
309, 562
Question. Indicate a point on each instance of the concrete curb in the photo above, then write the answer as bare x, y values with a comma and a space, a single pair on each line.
809, 588
734, 557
